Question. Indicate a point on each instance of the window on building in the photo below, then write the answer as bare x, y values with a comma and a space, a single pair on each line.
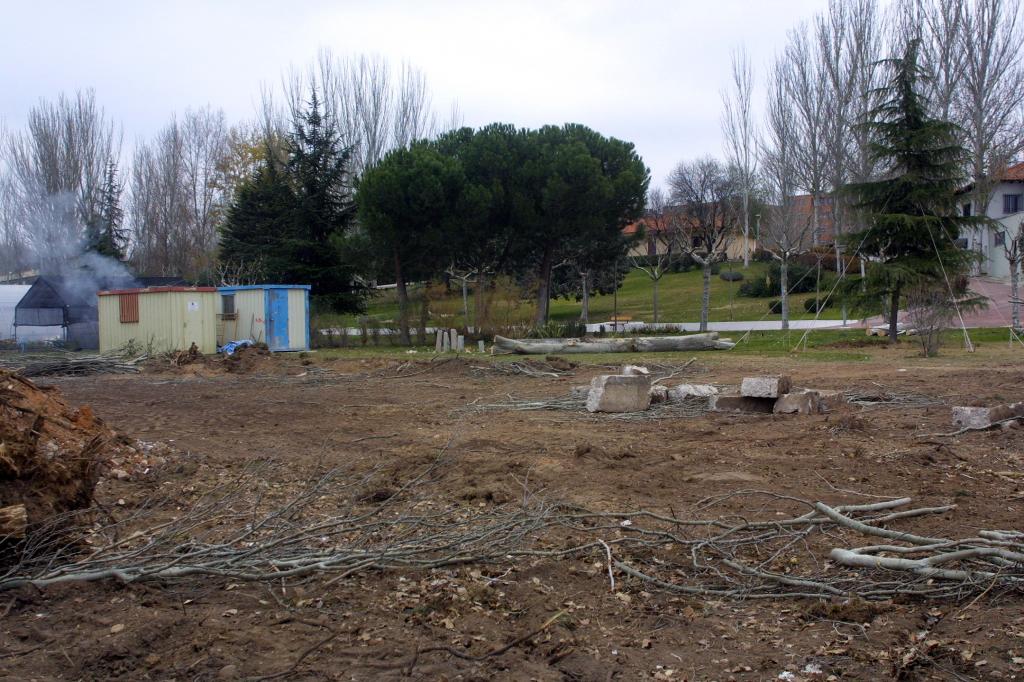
967, 210
999, 238
1011, 203
129, 307
227, 306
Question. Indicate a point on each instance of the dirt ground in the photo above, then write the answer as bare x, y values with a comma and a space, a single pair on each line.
391, 416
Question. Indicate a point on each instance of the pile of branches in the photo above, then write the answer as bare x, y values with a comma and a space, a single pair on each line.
747, 545
71, 364
690, 407
883, 396
535, 368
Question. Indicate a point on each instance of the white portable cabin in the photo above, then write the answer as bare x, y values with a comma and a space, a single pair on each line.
274, 314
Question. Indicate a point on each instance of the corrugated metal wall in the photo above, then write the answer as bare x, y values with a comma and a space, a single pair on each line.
297, 326
168, 321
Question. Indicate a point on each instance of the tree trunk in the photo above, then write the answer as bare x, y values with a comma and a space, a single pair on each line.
894, 314
403, 302
585, 308
465, 301
746, 227
13, 521
814, 219
705, 299
656, 280
784, 291
1015, 294
544, 288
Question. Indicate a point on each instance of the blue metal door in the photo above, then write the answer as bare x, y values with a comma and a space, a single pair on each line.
277, 322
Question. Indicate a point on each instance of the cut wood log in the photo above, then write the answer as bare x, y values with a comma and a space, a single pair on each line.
13, 521
655, 344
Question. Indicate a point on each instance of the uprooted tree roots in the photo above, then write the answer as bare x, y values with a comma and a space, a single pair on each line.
336, 527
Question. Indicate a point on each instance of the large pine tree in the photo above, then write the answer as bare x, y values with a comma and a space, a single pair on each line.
911, 214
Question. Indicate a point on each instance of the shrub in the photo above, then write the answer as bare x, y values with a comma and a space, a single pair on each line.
756, 288
775, 307
814, 305
731, 276
762, 256
716, 268
802, 280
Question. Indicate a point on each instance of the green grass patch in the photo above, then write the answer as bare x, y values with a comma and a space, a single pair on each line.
679, 301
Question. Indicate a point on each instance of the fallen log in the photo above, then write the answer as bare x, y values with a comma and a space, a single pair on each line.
13, 521
650, 344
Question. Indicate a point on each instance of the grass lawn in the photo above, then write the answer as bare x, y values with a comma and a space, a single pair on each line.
679, 297
822, 345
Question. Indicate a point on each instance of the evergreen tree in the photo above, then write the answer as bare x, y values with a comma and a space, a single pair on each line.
318, 167
911, 214
104, 232
258, 221
290, 219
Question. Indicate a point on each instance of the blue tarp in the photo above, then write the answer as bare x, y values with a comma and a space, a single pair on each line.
231, 346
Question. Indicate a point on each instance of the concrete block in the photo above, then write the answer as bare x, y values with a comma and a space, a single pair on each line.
635, 371
742, 404
765, 387
438, 345
659, 394
799, 402
684, 391
480, 346
614, 393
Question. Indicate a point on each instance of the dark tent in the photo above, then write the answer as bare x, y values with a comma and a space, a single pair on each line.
71, 302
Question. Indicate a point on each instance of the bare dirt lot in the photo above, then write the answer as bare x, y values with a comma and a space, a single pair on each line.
416, 432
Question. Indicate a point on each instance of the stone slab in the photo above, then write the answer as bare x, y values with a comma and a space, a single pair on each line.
765, 387
635, 371
616, 393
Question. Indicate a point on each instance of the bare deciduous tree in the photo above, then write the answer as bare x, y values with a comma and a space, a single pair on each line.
57, 167
1013, 246
703, 190
738, 127
990, 104
806, 85
178, 196
661, 241
785, 229
375, 106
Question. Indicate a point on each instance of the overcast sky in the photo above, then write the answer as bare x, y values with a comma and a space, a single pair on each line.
648, 72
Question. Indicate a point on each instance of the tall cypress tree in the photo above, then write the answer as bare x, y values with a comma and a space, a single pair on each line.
911, 214
104, 232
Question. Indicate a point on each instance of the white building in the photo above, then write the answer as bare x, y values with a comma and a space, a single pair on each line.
1007, 208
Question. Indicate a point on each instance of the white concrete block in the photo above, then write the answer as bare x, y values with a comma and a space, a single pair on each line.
765, 387
615, 393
